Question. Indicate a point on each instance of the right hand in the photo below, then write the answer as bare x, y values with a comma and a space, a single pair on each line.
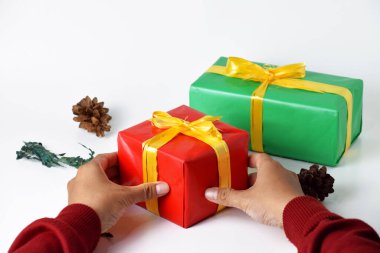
273, 188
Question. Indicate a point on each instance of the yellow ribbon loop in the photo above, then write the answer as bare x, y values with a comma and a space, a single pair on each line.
202, 129
285, 76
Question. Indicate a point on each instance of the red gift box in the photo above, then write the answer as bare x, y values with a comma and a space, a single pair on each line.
187, 164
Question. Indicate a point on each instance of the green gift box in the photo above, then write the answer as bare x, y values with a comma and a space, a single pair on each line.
296, 123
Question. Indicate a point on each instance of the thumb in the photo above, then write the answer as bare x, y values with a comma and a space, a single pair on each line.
224, 196
147, 191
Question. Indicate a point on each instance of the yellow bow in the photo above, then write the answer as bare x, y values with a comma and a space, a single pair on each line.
285, 76
202, 126
202, 129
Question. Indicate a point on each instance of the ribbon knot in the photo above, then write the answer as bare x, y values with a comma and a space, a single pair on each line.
271, 76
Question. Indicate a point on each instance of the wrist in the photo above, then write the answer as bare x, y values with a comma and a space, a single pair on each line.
301, 212
82, 219
284, 203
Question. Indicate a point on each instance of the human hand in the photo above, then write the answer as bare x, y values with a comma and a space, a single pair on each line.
273, 188
92, 186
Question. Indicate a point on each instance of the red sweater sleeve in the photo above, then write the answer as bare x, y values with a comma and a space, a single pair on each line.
75, 229
313, 228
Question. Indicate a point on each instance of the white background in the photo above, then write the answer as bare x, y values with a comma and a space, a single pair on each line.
140, 56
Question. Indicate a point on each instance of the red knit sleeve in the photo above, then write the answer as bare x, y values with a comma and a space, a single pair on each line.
75, 229
313, 228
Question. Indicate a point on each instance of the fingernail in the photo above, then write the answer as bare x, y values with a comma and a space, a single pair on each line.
211, 193
162, 188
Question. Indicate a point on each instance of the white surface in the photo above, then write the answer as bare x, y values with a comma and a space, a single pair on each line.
140, 56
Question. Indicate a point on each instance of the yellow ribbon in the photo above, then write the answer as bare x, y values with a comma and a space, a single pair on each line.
284, 76
202, 129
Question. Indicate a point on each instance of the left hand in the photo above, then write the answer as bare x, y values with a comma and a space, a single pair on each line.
92, 186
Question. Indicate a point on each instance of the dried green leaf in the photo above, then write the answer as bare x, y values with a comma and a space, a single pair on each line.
36, 151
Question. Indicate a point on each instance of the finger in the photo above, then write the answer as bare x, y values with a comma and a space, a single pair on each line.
252, 178
116, 180
106, 160
257, 159
224, 196
113, 173
109, 163
103, 165
147, 191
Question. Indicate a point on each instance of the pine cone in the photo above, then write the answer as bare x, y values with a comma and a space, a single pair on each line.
315, 182
92, 116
